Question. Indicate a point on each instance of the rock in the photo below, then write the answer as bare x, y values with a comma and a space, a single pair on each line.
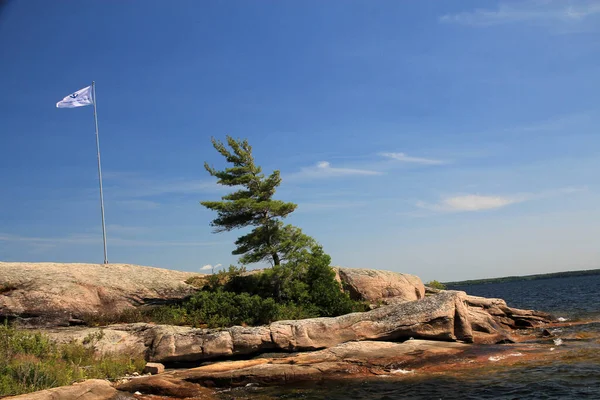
58, 294
164, 385
352, 359
92, 389
441, 317
446, 316
492, 321
154, 368
132, 339
380, 286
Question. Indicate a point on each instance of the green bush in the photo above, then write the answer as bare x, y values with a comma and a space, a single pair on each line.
30, 361
436, 285
221, 308
303, 287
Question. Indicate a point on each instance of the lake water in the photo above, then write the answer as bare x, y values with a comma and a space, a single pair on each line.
573, 375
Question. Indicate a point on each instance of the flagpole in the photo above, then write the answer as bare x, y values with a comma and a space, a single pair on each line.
99, 173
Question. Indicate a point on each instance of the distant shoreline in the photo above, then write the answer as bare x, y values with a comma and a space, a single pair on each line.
524, 278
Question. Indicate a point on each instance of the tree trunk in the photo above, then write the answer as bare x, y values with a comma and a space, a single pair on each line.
276, 260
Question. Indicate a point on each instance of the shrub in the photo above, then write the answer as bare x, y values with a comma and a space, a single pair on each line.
30, 361
436, 285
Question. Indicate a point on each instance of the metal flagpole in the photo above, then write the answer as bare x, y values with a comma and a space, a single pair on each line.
99, 173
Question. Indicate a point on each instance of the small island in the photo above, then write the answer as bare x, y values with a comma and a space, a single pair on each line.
298, 320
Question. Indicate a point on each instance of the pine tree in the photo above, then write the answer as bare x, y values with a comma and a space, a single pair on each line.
253, 205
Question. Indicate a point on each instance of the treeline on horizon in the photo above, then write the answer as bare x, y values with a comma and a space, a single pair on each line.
564, 274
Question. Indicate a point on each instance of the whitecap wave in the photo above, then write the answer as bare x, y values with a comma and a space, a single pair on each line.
402, 371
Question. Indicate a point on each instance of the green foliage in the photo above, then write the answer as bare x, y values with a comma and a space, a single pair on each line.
30, 361
436, 285
221, 308
129, 315
305, 286
252, 205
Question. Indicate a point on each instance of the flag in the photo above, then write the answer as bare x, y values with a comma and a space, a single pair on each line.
80, 98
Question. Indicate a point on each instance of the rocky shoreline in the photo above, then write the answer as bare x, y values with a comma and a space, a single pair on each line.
408, 330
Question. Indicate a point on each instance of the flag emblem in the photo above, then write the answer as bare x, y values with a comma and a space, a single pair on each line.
80, 98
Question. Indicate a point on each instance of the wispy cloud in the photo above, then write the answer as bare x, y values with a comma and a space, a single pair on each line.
138, 204
330, 205
323, 169
471, 202
531, 11
126, 230
84, 239
210, 267
134, 186
408, 159
477, 202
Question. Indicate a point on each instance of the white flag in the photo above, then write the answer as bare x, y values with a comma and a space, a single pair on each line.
80, 98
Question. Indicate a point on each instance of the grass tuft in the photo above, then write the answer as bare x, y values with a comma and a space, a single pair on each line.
30, 361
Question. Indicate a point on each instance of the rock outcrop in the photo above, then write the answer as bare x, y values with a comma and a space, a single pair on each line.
377, 286
408, 329
446, 316
492, 321
349, 360
54, 293
92, 389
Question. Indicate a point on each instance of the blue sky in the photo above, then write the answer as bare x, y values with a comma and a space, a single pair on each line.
451, 140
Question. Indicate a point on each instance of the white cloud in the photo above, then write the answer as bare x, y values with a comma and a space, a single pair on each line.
210, 267
471, 202
545, 12
323, 169
415, 160
476, 202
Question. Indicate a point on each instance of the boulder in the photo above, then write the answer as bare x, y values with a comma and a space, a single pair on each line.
60, 294
92, 389
154, 368
377, 286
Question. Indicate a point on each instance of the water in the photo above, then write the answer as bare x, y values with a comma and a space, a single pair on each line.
574, 298
573, 375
